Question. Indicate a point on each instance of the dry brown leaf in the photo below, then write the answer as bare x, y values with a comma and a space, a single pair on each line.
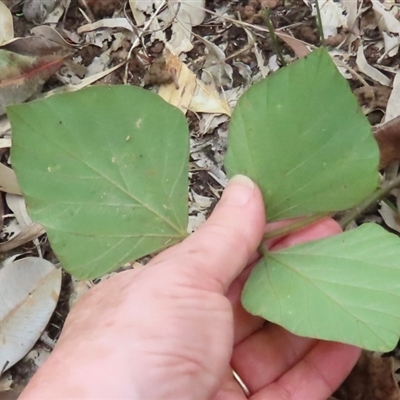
388, 137
38, 46
298, 46
21, 77
371, 379
189, 93
390, 216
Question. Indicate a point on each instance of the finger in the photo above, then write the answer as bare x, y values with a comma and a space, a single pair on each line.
217, 253
316, 376
230, 388
267, 354
318, 230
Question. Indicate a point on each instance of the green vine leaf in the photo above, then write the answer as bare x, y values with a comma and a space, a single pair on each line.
302, 137
343, 288
105, 171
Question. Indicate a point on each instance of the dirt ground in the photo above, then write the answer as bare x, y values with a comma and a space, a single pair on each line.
238, 67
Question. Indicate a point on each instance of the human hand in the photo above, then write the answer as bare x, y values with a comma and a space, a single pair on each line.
175, 328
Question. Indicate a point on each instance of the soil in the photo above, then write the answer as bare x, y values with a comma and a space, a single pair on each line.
146, 68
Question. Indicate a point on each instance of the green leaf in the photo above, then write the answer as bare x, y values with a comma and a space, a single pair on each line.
105, 171
302, 137
344, 288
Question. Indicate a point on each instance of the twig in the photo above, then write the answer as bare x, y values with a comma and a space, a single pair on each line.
138, 38
373, 198
270, 26
319, 23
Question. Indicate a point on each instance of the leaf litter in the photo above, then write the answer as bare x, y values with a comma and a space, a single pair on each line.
224, 50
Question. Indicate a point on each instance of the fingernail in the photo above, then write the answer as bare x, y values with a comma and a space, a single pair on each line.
239, 190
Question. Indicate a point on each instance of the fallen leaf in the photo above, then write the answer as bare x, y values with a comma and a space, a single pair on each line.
37, 46
37, 11
299, 47
6, 24
207, 99
388, 134
27, 235
189, 93
351, 8
386, 20
8, 180
21, 77
333, 16
372, 378
121, 23
390, 216
393, 104
29, 291
17, 205
369, 70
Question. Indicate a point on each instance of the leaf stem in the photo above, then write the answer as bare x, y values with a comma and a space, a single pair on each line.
319, 23
275, 43
371, 199
294, 226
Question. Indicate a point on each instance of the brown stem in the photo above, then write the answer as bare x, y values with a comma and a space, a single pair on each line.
373, 198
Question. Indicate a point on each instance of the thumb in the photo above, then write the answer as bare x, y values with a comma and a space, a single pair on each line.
222, 247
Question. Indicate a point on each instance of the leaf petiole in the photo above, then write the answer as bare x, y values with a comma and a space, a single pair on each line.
296, 225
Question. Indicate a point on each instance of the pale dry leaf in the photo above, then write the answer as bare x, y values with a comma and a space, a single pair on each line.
391, 217
207, 99
6, 382
193, 8
37, 11
391, 45
352, 12
6, 24
195, 221
18, 207
143, 5
393, 104
79, 288
29, 293
157, 33
5, 143
189, 93
55, 15
181, 39
85, 82
183, 15
8, 180
179, 93
112, 23
51, 35
138, 14
27, 235
369, 70
386, 20
332, 16
215, 64
262, 67
200, 202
